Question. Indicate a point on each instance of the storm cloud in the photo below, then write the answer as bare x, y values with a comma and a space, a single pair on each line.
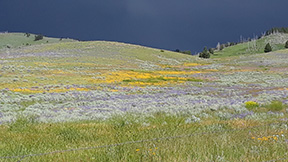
166, 24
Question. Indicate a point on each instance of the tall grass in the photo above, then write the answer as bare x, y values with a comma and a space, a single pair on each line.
210, 139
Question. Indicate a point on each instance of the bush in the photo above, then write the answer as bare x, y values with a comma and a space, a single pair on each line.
268, 48
286, 44
275, 106
38, 37
27, 34
186, 52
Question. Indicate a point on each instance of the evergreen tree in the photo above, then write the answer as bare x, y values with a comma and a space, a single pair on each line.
211, 50
38, 37
286, 44
204, 53
268, 48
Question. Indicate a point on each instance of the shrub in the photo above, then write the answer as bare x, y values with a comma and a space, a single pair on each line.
275, 106
38, 37
286, 44
27, 34
186, 52
268, 48
251, 105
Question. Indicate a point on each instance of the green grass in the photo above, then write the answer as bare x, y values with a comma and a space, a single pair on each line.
212, 139
276, 106
215, 138
14, 40
246, 48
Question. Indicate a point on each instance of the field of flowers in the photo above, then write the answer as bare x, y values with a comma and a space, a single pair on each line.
94, 80
99, 81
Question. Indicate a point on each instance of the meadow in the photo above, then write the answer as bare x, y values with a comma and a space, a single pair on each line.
111, 101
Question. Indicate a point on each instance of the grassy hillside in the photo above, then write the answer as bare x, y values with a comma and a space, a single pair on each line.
13, 40
111, 101
277, 41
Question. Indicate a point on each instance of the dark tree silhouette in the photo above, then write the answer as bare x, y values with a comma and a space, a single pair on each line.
268, 48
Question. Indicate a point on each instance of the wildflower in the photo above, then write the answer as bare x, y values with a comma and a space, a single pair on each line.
252, 137
137, 150
251, 105
154, 153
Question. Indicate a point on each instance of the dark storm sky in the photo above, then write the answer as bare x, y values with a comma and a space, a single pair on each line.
167, 24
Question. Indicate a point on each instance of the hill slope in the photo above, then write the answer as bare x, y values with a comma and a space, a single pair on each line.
276, 40
110, 101
76, 75
13, 40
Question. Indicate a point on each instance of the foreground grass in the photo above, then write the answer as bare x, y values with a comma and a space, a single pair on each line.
165, 138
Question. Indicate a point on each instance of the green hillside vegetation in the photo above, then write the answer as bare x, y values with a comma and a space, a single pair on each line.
277, 41
13, 40
67, 100
111, 54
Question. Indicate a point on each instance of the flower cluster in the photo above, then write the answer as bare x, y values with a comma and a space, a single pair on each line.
251, 105
274, 137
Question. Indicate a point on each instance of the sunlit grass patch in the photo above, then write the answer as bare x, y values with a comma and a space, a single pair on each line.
156, 137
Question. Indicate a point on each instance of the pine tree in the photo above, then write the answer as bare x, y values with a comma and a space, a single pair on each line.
38, 37
211, 50
286, 44
204, 53
268, 48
